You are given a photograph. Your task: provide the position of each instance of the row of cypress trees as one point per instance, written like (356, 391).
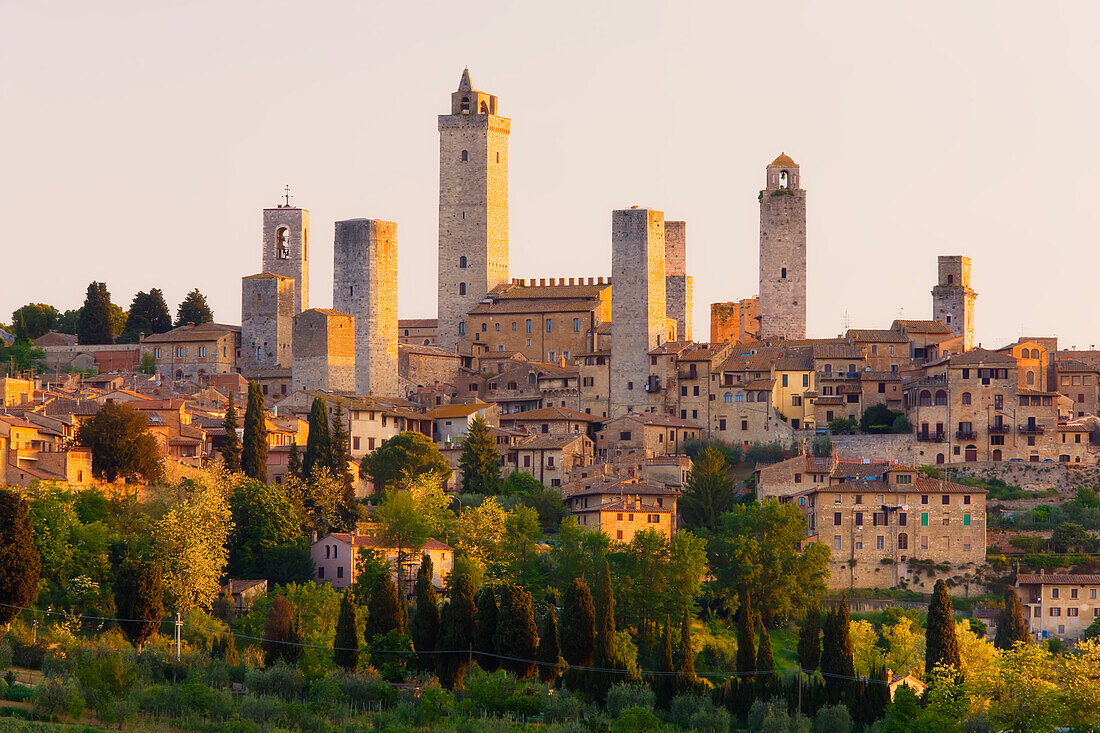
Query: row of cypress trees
(250, 455)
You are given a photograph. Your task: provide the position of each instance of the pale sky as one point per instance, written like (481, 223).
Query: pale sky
(139, 142)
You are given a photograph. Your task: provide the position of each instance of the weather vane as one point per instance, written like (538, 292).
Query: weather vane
(287, 195)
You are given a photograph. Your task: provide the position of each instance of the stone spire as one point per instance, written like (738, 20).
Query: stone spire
(464, 84)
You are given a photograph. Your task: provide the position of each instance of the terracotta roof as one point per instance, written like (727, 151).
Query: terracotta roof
(1074, 428)
(1076, 366)
(426, 349)
(536, 305)
(548, 441)
(362, 540)
(670, 347)
(877, 335)
(627, 487)
(858, 470)
(55, 338)
(837, 351)
(981, 356)
(783, 159)
(514, 291)
(201, 332)
(621, 505)
(265, 276)
(921, 326)
(1057, 579)
(417, 322)
(444, 411)
(17, 422)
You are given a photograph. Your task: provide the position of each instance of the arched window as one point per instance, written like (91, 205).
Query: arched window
(971, 453)
(749, 397)
(903, 541)
(783, 179)
(465, 156)
(941, 397)
(513, 325)
(484, 108)
(462, 288)
(997, 454)
(464, 107)
(531, 378)
(925, 398)
(462, 262)
(328, 551)
(282, 243)
(1030, 377)
(728, 397)
(740, 397)
(966, 398)
(950, 279)
(939, 458)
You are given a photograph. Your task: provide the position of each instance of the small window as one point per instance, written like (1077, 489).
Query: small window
(462, 288)
(465, 156)
(783, 273)
(461, 263)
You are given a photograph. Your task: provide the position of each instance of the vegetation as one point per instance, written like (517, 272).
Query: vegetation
(139, 599)
(231, 448)
(480, 461)
(193, 309)
(20, 562)
(709, 491)
(95, 324)
(254, 449)
(33, 320)
(405, 460)
(881, 419)
(148, 315)
(121, 444)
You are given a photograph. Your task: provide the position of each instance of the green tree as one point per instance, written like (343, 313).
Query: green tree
(148, 364)
(121, 444)
(254, 449)
(941, 641)
(685, 667)
(424, 627)
(517, 634)
(837, 655)
(485, 629)
(95, 325)
(578, 624)
(194, 310)
(456, 631)
(709, 491)
(404, 525)
(1011, 624)
(480, 461)
(22, 357)
(20, 564)
(549, 652)
(277, 632)
(191, 545)
(809, 640)
(69, 321)
(1071, 537)
(881, 419)
(148, 315)
(341, 459)
(746, 647)
(384, 611)
(139, 600)
(266, 540)
(231, 449)
(34, 320)
(755, 552)
(294, 463)
(604, 601)
(407, 459)
(319, 443)
(345, 645)
(765, 663)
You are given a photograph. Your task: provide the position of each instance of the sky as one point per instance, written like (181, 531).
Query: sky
(140, 141)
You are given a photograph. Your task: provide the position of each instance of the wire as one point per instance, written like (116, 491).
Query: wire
(463, 652)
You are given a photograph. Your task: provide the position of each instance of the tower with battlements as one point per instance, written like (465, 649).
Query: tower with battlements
(783, 252)
(473, 206)
(952, 298)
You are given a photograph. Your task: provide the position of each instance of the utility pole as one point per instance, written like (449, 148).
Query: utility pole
(179, 624)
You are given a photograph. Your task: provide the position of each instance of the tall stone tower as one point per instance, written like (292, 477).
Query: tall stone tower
(324, 351)
(364, 284)
(473, 206)
(267, 321)
(286, 249)
(952, 298)
(639, 315)
(783, 253)
(678, 284)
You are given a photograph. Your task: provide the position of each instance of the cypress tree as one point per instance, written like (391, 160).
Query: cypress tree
(941, 642)
(384, 613)
(457, 624)
(148, 315)
(578, 624)
(685, 668)
(665, 659)
(293, 462)
(277, 630)
(765, 664)
(292, 650)
(193, 309)
(345, 645)
(480, 461)
(231, 449)
(139, 599)
(809, 640)
(665, 685)
(424, 628)
(20, 563)
(837, 656)
(341, 458)
(319, 442)
(517, 635)
(605, 620)
(254, 450)
(1011, 624)
(746, 649)
(95, 324)
(485, 629)
(549, 652)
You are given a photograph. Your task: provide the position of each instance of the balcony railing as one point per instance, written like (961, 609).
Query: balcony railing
(1000, 429)
(687, 374)
(931, 437)
(965, 434)
(1032, 429)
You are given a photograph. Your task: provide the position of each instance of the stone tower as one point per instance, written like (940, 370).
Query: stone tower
(783, 253)
(364, 284)
(639, 316)
(267, 321)
(473, 206)
(952, 298)
(678, 284)
(286, 249)
(324, 351)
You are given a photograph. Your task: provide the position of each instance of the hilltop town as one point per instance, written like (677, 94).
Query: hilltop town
(913, 455)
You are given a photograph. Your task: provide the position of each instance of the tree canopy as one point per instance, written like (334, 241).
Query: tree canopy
(193, 309)
(20, 563)
(121, 444)
(254, 449)
(709, 491)
(95, 325)
(148, 315)
(34, 320)
(405, 460)
(480, 461)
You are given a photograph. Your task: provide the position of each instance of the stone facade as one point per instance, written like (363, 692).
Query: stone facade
(365, 285)
(783, 253)
(192, 352)
(267, 321)
(419, 331)
(473, 206)
(952, 298)
(286, 249)
(735, 321)
(639, 320)
(678, 284)
(324, 351)
(1061, 605)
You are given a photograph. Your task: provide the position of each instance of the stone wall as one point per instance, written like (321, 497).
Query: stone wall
(678, 284)
(902, 447)
(952, 298)
(267, 321)
(783, 258)
(734, 321)
(294, 224)
(324, 351)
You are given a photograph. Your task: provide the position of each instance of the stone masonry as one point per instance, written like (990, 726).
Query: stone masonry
(678, 284)
(639, 320)
(267, 321)
(783, 253)
(286, 249)
(735, 321)
(364, 284)
(324, 351)
(473, 206)
(952, 298)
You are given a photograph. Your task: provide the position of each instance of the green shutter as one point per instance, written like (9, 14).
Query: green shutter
(966, 520)
(924, 520)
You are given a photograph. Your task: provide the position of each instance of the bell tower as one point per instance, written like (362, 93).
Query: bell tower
(782, 252)
(286, 248)
(473, 206)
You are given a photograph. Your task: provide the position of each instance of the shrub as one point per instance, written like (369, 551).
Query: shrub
(834, 719)
(637, 719)
(696, 712)
(55, 697)
(260, 708)
(625, 695)
(18, 693)
(278, 680)
(563, 707)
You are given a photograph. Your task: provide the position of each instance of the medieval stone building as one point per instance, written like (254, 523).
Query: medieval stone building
(783, 252)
